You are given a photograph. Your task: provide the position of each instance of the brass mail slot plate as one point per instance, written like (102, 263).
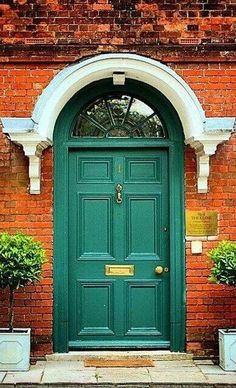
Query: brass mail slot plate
(119, 270)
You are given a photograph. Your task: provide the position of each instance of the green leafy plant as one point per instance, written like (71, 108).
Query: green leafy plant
(21, 260)
(224, 258)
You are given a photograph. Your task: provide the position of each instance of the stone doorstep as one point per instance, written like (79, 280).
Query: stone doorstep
(155, 355)
(212, 384)
(164, 374)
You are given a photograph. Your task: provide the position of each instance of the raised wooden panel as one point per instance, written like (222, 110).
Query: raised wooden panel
(143, 170)
(144, 312)
(95, 226)
(94, 169)
(143, 226)
(95, 306)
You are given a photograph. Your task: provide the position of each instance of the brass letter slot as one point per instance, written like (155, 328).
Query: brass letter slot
(119, 270)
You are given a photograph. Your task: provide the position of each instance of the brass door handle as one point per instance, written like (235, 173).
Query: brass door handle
(119, 189)
(159, 270)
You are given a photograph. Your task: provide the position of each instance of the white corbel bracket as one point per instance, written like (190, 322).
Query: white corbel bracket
(33, 146)
(205, 146)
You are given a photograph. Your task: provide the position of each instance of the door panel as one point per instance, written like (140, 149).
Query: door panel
(143, 170)
(95, 226)
(94, 170)
(95, 304)
(118, 310)
(145, 293)
(142, 215)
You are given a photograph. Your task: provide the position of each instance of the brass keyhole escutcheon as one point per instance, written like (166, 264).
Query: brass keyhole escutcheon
(119, 189)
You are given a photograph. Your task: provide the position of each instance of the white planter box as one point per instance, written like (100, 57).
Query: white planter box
(227, 349)
(14, 350)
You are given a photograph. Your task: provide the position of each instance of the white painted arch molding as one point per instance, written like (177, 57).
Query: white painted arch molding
(76, 76)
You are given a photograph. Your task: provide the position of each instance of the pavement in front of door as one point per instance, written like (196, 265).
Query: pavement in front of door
(69, 371)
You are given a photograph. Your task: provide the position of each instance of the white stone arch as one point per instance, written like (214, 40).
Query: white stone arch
(36, 133)
(76, 76)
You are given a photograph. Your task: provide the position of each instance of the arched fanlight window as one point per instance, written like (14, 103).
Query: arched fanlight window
(118, 115)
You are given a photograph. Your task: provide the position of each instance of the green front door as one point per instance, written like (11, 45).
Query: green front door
(118, 235)
(106, 290)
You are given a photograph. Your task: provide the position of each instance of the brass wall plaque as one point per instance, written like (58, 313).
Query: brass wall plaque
(119, 270)
(201, 223)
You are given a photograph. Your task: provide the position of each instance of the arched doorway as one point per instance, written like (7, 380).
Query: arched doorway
(119, 257)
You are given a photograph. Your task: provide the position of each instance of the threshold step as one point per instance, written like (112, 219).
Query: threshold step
(158, 355)
(122, 385)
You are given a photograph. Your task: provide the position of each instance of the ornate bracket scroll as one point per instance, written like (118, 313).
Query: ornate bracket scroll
(21, 131)
(33, 146)
(205, 146)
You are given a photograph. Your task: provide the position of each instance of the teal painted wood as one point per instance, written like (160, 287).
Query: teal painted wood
(103, 232)
(174, 147)
(60, 254)
(177, 251)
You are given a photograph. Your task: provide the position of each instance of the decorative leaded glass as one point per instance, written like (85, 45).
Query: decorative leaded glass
(118, 116)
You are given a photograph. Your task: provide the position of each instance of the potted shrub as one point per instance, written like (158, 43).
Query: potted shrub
(21, 260)
(224, 272)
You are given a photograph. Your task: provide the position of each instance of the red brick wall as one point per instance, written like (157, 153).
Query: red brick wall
(41, 37)
(214, 84)
(31, 214)
(20, 85)
(107, 22)
(210, 306)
